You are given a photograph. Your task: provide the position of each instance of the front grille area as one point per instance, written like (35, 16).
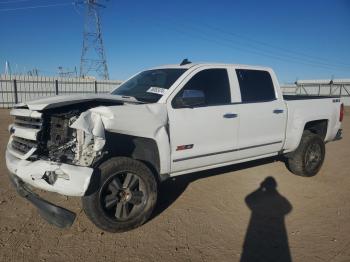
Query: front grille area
(27, 126)
(23, 145)
(28, 122)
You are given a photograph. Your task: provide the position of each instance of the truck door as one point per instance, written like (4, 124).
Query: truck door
(262, 114)
(206, 133)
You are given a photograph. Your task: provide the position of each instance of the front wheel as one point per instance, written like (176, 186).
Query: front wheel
(125, 198)
(308, 158)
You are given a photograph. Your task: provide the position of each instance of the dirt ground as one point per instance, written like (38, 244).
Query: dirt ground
(219, 215)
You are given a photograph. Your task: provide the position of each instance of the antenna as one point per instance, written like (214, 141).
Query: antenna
(93, 58)
(185, 62)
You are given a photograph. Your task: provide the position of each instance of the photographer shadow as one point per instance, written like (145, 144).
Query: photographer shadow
(266, 237)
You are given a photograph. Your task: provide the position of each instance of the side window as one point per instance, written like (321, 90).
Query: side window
(214, 83)
(255, 86)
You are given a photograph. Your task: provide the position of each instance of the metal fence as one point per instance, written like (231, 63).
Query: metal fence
(16, 89)
(335, 87)
(319, 88)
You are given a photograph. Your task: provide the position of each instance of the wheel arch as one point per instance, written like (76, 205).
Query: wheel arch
(299, 126)
(139, 148)
(318, 127)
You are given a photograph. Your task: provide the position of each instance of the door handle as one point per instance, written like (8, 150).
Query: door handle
(278, 111)
(230, 115)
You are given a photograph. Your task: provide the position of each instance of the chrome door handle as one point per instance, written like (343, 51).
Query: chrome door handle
(278, 111)
(230, 115)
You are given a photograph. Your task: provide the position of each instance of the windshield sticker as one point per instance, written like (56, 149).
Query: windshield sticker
(157, 90)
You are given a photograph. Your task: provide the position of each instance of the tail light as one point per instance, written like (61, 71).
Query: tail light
(341, 115)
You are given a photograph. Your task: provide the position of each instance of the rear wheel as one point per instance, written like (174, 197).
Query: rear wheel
(308, 158)
(125, 198)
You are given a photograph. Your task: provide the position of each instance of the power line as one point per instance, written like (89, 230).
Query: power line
(300, 54)
(34, 7)
(229, 44)
(286, 53)
(14, 1)
(245, 47)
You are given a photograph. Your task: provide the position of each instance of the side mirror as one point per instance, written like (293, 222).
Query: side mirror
(190, 98)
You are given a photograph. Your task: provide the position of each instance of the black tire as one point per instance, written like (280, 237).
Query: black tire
(115, 207)
(308, 158)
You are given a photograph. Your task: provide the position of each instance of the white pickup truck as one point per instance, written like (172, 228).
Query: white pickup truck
(115, 150)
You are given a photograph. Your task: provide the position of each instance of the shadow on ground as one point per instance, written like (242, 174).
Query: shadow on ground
(266, 237)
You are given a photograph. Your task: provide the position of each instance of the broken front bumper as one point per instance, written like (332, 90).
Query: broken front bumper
(69, 180)
(55, 215)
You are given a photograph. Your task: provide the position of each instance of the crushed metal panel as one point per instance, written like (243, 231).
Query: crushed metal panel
(142, 120)
(74, 183)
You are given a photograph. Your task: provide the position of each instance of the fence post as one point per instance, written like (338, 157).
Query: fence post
(56, 87)
(341, 88)
(15, 90)
(95, 87)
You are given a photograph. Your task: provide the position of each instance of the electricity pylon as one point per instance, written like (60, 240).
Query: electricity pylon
(93, 57)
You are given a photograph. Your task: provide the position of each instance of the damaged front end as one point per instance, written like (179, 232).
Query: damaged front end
(56, 149)
(66, 141)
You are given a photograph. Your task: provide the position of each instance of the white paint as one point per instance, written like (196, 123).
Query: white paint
(302, 111)
(25, 113)
(258, 124)
(24, 132)
(204, 127)
(32, 173)
(255, 128)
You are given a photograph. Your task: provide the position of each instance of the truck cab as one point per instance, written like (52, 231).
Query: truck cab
(235, 120)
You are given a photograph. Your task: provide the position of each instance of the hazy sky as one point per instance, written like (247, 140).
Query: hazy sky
(298, 39)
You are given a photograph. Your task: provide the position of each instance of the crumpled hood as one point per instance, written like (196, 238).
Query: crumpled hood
(144, 120)
(64, 100)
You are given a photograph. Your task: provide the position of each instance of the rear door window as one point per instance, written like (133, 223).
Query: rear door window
(255, 86)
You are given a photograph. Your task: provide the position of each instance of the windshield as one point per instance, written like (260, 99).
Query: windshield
(149, 86)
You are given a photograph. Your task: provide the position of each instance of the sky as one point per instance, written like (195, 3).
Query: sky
(298, 39)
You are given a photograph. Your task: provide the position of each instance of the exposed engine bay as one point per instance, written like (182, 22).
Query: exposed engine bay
(58, 140)
(62, 140)
(56, 143)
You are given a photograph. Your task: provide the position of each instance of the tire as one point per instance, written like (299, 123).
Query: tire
(308, 158)
(125, 197)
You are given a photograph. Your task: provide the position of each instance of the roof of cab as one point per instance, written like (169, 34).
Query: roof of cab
(190, 65)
